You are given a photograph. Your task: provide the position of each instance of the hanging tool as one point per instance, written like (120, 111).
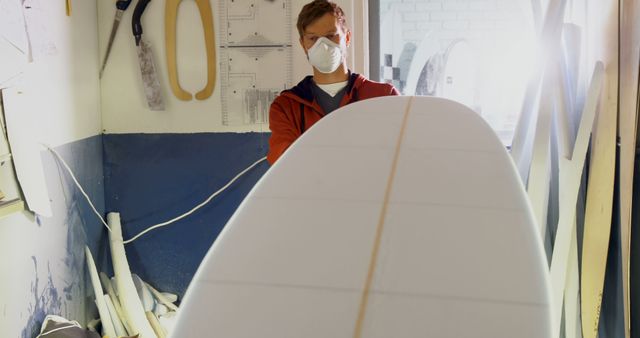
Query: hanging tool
(145, 58)
(68, 7)
(206, 16)
(121, 6)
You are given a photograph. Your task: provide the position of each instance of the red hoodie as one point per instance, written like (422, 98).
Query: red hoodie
(295, 110)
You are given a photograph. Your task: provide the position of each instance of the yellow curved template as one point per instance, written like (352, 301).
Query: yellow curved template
(209, 39)
(171, 15)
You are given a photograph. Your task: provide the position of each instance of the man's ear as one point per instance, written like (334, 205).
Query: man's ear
(347, 38)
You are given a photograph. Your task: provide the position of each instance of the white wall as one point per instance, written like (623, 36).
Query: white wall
(41, 269)
(60, 87)
(123, 105)
(43, 263)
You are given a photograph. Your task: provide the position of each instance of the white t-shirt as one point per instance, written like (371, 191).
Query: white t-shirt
(332, 88)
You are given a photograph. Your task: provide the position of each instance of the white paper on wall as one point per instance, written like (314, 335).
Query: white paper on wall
(9, 187)
(255, 47)
(12, 65)
(14, 44)
(36, 16)
(12, 24)
(25, 148)
(4, 143)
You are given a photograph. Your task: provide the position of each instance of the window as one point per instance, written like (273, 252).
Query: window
(477, 52)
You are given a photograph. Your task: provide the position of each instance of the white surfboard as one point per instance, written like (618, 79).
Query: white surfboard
(459, 73)
(627, 130)
(391, 217)
(427, 48)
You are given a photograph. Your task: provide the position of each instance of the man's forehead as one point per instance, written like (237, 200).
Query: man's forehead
(326, 24)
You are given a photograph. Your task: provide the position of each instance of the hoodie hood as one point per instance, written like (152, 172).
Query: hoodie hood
(303, 93)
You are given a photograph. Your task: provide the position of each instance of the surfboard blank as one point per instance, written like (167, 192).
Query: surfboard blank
(460, 255)
(627, 125)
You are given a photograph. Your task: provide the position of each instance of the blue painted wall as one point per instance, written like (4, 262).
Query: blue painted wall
(45, 255)
(151, 178)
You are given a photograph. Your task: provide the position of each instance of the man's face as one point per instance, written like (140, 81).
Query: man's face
(326, 26)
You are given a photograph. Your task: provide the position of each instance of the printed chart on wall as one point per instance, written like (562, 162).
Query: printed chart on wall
(255, 58)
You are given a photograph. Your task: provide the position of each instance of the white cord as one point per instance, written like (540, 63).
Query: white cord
(197, 206)
(78, 185)
(57, 329)
(153, 227)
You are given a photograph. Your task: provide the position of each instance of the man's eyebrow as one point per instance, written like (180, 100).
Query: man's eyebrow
(318, 34)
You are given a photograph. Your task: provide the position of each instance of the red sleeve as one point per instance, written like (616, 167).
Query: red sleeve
(394, 91)
(283, 130)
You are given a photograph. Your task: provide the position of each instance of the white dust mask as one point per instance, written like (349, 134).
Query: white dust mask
(326, 55)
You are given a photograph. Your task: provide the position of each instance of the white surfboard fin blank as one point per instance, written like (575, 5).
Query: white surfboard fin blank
(570, 177)
(115, 319)
(531, 153)
(106, 282)
(107, 324)
(597, 219)
(128, 296)
(522, 144)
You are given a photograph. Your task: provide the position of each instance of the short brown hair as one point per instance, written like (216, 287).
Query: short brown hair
(317, 9)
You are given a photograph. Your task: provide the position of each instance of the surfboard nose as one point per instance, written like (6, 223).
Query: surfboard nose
(391, 217)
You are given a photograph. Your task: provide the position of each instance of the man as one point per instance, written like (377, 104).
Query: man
(325, 38)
